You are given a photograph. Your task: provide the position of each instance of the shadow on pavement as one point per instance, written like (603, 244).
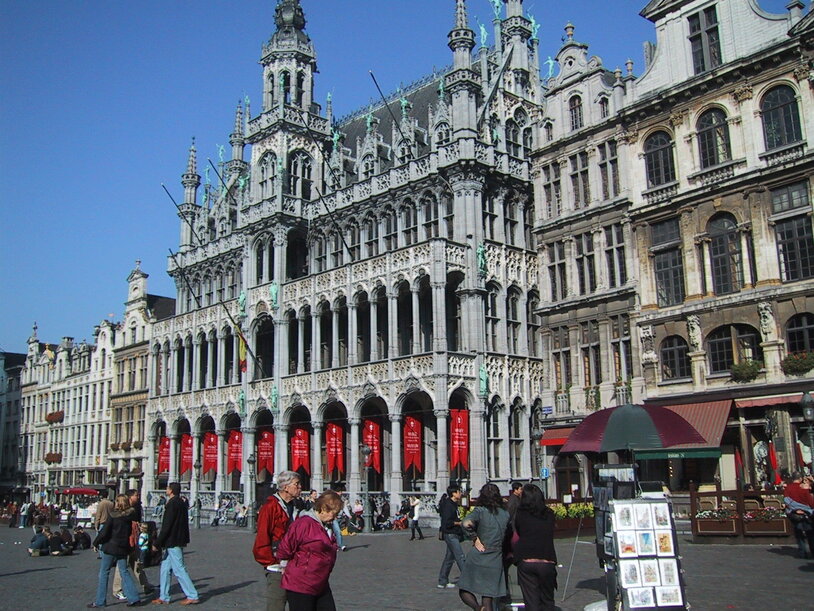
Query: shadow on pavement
(230, 588)
(785, 550)
(29, 571)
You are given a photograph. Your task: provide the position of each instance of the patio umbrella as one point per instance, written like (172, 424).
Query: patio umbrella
(81, 491)
(631, 427)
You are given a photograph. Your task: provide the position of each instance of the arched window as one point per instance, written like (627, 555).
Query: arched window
(675, 358)
(658, 159)
(300, 88)
(271, 86)
(800, 333)
(533, 324)
(713, 138)
(299, 175)
(549, 131)
(337, 258)
(390, 230)
(604, 107)
(405, 152)
(268, 165)
(372, 236)
(492, 318)
(442, 134)
(575, 112)
(259, 258)
(513, 320)
(512, 138)
(732, 344)
(725, 255)
(320, 256)
(781, 117)
(431, 216)
(353, 241)
(285, 85)
(368, 166)
(410, 224)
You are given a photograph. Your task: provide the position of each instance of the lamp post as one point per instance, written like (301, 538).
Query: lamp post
(366, 515)
(807, 403)
(536, 438)
(197, 502)
(251, 461)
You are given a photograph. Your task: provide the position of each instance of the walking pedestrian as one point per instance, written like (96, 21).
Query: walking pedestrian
(174, 536)
(310, 550)
(133, 559)
(272, 523)
(415, 514)
(800, 511)
(534, 550)
(452, 534)
(113, 543)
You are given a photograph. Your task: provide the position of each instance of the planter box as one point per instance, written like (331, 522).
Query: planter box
(780, 527)
(709, 526)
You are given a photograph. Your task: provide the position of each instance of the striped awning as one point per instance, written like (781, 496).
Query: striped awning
(708, 418)
(556, 437)
(766, 401)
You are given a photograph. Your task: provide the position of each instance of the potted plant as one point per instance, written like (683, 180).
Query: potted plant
(719, 521)
(745, 371)
(798, 363)
(138, 444)
(765, 521)
(126, 445)
(114, 446)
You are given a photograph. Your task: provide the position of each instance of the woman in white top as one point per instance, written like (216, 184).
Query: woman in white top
(415, 513)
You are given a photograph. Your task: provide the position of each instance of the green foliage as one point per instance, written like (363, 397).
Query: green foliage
(745, 371)
(798, 364)
(717, 514)
(580, 510)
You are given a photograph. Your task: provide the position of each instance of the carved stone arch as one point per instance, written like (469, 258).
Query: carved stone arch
(695, 113)
(261, 308)
(517, 403)
(761, 91)
(179, 418)
(258, 322)
(304, 310)
(285, 417)
(462, 388)
(251, 420)
(653, 129)
(337, 301)
(706, 216)
(157, 426)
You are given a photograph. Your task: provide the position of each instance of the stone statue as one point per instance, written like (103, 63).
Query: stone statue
(484, 35)
(329, 97)
(241, 401)
(550, 63)
(648, 345)
(495, 136)
(275, 397)
(242, 181)
(483, 377)
(767, 324)
(241, 303)
(246, 100)
(441, 87)
(220, 152)
(404, 104)
(206, 175)
(369, 121)
(273, 290)
(481, 254)
(496, 6)
(535, 27)
(694, 331)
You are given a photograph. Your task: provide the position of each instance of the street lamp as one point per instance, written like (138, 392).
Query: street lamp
(807, 403)
(366, 515)
(197, 503)
(251, 461)
(536, 438)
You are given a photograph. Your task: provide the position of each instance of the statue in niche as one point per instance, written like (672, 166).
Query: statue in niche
(221, 148)
(241, 401)
(648, 345)
(694, 331)
(767, 324)
(483, 378)
(481, 255)
(275, 397)
(495, 136)
(550, 63)
(241, 303)
(496, 6)
(274, 289)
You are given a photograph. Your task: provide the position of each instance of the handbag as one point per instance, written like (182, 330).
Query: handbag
(440, 535)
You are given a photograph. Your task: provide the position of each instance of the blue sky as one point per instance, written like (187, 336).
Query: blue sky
(99, 100)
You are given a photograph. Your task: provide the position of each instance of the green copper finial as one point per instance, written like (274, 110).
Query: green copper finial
(404, 104)
(369, 121)
(535, 27)
(335, 139)
(441, 87)
(220, 152)
(329, 97)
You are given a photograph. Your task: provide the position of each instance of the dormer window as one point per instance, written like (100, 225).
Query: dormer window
(368, 167)
(604, 108)
(575, 112)
(704, 40)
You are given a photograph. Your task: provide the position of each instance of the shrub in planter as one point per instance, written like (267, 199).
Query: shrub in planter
(580, 510)
(114, 446)
(126, 445)
(717, 514)
(560, 512)
(797, 364)
(745, 371)
(138, 444)
(764, 513)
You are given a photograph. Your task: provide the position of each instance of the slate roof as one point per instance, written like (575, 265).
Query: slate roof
(161, 307)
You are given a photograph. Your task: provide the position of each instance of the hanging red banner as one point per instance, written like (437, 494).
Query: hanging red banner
(241, 352)
(210, 452)
(335, 447)
(234, 452)
(459, 438)
(371, 435)
(299, 451)
(186, 452)
(265, 451)
(412, 443)
(164, 455)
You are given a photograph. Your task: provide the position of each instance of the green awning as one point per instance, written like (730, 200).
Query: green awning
(680, 453)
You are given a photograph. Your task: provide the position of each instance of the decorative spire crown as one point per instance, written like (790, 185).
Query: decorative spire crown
(192, 161)
(289, 14)
(238, 131)
(460, 15)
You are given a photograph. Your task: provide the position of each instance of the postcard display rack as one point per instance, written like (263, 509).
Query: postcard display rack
(640, 553)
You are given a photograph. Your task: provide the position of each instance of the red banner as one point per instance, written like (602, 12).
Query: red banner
(371, 435)
(234, 452)
(335, 447)
(186, 452)
(299, 451)
(241, 352)
(164, 455)
(265, 451)
(412, 443)
(459, 438)
(210, 452)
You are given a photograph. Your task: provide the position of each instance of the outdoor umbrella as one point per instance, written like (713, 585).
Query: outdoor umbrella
(80, 491)
(631, 427)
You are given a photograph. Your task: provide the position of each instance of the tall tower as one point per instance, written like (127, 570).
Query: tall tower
(188, 210)
(462, 82)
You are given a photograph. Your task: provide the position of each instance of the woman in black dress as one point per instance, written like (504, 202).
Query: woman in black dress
(534, 550)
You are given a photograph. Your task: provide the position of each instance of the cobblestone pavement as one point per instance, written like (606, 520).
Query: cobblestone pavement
(387, 571)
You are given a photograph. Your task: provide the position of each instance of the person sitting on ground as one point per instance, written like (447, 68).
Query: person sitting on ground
(81, 539)
(66, 537)
(39, 543)
(55, 544)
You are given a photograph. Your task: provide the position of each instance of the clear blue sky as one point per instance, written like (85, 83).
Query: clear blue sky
(99, 100)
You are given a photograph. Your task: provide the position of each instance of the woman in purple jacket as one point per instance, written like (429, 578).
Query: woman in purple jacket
(309, 548)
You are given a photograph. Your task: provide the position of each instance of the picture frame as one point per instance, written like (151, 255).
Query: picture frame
(640, 598)
(649, 572)
(609, 547)
(661, 515)
(623, 516)
(626, 544)
(645, 543)
(668, 572)
(643, 517)
(665, 546)
(629, 574)
(669, 596)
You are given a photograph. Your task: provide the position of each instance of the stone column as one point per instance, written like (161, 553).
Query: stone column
(173, 377)
(249, 447)
(374, 330)
(194, 482)
(301, 322)
(746, 256)
(395, 457)
(194, 382)
(352, 333)
(439, 317)
(354, 480)
(211, 366)
(149, 463)
(174, 446)
(704, 244)
(220, 480)
(317, 477)
(316, 345)
(392, 315)
(442, 455)
(281, 462)
(220, 374)
(416, 339)
(334, 337)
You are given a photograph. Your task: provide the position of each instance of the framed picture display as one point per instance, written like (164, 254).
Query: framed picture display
(629, 572)
(609, 550)
(661, 515)
(669, 596)
(664, 543)
(643, 517)
(645, 543)
(623, 516)
(649, 571)
(639, 598)
(668, 571)
(626, 543)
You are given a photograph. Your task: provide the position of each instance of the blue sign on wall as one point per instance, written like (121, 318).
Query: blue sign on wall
(548, 410)
(545, 473)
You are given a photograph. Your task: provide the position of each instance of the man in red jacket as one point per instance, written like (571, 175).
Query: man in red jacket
(272, 522)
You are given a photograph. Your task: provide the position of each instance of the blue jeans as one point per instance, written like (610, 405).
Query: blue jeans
(454, 554)
(173, 563)
(337, 533)
(128, 583)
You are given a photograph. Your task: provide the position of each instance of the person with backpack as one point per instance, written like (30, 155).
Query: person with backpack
(415, 514)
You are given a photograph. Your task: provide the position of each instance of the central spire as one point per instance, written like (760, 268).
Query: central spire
(461, 22)
(289, 14)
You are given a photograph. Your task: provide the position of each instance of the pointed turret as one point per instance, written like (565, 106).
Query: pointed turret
(190, 179)
(461, 38)
(238, 141)
(462, 82)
